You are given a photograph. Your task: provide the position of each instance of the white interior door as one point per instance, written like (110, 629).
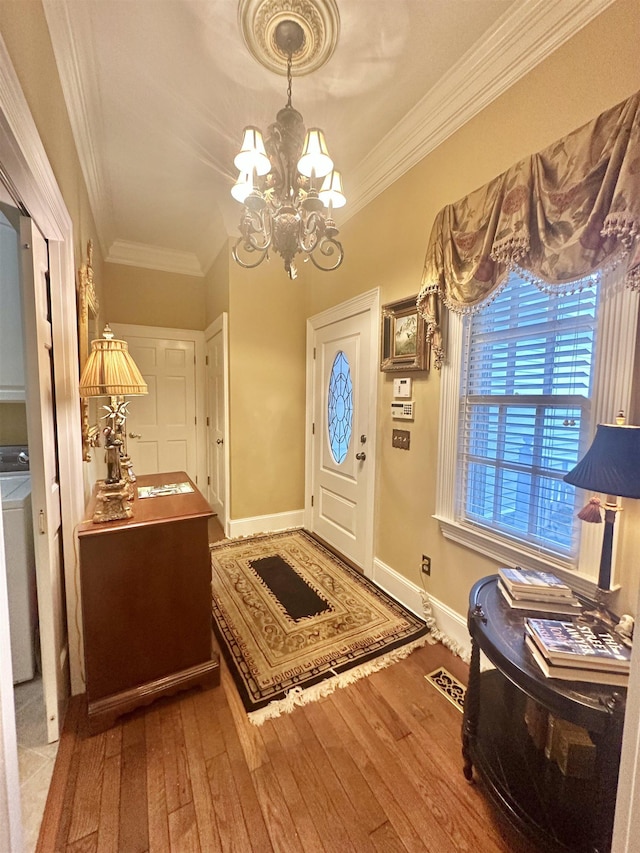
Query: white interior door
(45, 489)
(217, 417)
(344, 369)
(161, 426)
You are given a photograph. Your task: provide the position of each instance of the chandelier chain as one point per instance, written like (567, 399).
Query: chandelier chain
(289, 80)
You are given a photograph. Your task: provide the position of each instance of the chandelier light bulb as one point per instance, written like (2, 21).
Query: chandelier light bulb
(331, 194)
(242, 187)
(252, 155)
(315, 160)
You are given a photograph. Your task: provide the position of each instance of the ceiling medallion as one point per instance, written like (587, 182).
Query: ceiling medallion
(320, 23)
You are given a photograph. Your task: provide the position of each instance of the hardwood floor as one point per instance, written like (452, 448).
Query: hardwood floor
(374, 767)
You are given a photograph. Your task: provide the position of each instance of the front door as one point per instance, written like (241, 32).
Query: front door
(344, 356)
(43, 463)
(161, 426)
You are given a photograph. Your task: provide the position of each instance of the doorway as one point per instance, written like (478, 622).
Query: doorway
(166, 427)
(342, 373)
(217, 370)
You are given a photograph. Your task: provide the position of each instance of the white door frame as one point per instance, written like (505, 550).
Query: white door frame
(129, 330)
(221, 324)
(369, 301)
(35, 189)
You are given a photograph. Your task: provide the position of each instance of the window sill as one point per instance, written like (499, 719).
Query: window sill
(509, 554)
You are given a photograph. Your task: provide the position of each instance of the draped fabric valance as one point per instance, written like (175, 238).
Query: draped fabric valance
(556, 216)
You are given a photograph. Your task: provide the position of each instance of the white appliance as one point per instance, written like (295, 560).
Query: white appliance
(15, 489)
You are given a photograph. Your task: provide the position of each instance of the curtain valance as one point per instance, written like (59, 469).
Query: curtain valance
(557, 217)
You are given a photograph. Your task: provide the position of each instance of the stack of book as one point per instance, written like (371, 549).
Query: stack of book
(525, 589)
(571, 651)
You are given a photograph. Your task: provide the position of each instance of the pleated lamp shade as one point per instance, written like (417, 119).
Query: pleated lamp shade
(110, 371)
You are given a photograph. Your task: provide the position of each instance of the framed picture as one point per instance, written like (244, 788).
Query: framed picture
(404, 345)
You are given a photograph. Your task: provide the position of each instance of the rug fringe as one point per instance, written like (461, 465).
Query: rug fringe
(439, 636)
(299, 696)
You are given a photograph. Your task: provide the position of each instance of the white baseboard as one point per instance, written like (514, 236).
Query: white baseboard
(264, 523)
(451, 624)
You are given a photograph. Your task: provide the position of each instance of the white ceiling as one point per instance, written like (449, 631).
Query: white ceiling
(159, 91)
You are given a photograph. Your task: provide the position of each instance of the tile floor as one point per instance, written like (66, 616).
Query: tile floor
(36, 757)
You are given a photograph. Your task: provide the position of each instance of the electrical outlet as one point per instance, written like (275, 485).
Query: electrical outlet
(426, 564)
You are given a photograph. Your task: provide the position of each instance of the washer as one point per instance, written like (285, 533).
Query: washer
(15, 489)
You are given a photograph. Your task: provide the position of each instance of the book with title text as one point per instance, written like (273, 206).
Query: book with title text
(567, 643)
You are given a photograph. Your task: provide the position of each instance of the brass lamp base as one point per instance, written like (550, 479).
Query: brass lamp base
(127, 468)
(600, 612)
(112, 502)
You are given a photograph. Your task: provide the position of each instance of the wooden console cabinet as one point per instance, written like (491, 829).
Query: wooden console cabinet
(146, 602)
(558, 812)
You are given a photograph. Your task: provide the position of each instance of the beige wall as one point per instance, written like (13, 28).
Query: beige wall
(153, 298)
(24, 30)
(216, 284)
(13, 423)
(267, 386)
(385, 244)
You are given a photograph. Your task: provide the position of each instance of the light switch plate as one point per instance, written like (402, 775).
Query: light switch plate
(401, 438)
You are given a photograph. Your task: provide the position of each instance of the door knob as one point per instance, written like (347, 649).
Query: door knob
(134, 435)
(219, 440)
(363, 439)
(361, 456)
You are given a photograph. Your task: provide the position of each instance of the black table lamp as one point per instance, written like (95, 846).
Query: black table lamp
(611, 466)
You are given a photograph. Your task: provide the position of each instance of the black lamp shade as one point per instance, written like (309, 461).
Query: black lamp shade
(612, 463)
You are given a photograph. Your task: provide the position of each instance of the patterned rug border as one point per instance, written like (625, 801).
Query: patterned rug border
(299, 696)
(319, 685)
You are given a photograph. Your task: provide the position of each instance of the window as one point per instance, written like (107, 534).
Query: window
(524, 384)
(340, 407)
(527, 378)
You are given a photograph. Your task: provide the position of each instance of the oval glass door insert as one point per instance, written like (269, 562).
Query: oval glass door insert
(340, 407)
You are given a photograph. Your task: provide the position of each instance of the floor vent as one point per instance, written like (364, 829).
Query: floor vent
(449, 686)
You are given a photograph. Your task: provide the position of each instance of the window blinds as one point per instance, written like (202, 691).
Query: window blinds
(526, 388)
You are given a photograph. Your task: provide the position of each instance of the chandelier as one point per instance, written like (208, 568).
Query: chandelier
(287, 185)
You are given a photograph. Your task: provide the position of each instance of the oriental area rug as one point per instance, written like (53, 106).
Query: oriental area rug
(294, 622)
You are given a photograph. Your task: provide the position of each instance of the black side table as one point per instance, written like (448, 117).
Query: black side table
(559, 813)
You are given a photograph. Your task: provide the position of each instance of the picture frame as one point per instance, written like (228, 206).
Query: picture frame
(403, 337)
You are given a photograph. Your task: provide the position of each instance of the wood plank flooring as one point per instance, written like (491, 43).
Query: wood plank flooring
(374, 767)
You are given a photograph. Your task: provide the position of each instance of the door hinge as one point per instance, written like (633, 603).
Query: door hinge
(208, 481)
(314, 353)
(313, 429)
(207, 420)
(195, 420)
(206, 359)
(311, 500)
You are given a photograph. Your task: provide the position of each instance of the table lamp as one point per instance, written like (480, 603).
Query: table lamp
(110, 371)
(611, 466)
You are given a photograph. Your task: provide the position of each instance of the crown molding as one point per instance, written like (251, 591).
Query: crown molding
(153, 258)
(73, 49)
(525, 35)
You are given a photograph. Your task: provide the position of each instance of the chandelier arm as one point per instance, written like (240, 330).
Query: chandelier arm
(311, 232)
(327, 247)
(249, 249)
(252, 226)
